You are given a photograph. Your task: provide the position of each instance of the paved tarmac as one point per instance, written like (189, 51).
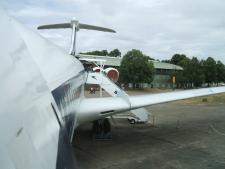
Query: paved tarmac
(184, 136)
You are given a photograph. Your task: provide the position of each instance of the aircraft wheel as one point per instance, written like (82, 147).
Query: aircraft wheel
(132, 121)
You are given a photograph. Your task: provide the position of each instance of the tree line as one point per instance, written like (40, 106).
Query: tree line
(113, 53)
(135, 68)
(197, 72)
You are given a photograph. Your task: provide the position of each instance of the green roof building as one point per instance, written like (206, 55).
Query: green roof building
(161, 74)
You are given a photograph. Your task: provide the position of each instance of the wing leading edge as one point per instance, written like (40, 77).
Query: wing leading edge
(145, 100)
(95, 108)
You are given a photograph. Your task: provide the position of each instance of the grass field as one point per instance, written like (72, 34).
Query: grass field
(214, 99)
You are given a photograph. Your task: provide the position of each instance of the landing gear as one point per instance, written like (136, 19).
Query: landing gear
(102, 129)
(131, 121)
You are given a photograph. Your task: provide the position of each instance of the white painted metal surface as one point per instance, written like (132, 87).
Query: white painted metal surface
(115, 91)
(141, 114)
(117, 104)
(101, 79)
(30, 67)
(55, 64)
(41, 101)
(76, 26)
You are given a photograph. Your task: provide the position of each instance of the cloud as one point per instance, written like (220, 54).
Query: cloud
(158, 27)
(39, 12)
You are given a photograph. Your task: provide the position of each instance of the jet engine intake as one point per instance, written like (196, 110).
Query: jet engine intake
(112, 74)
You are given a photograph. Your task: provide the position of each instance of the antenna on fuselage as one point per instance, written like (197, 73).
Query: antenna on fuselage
(75, 26)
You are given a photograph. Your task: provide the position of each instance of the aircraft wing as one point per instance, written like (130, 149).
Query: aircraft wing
(145, 100)
(95, 108)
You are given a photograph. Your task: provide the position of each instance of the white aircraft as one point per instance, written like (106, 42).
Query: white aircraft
(42, 100)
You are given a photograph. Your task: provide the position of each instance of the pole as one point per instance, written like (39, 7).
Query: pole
(73, 40)
(101, 69)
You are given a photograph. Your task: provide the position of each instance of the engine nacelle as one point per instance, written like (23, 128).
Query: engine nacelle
(112, 74)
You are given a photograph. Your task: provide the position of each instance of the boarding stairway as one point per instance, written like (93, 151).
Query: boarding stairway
(101, 79)
(112, 89)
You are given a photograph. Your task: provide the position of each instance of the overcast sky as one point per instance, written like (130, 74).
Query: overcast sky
(160, 28)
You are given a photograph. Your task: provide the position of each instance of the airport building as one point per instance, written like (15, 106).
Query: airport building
(162, 78)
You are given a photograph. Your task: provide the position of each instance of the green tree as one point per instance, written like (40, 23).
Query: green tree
(115, 53)
(184, 77)
(135, 68)
(177, 58)
(196, 72)
(105, 52)
(209, 67)
(220, 72)
(166, 61)
(97, 53)
(192, 74)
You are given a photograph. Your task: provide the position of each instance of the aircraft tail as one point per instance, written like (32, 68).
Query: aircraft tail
(75, 26)
(78, 25)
